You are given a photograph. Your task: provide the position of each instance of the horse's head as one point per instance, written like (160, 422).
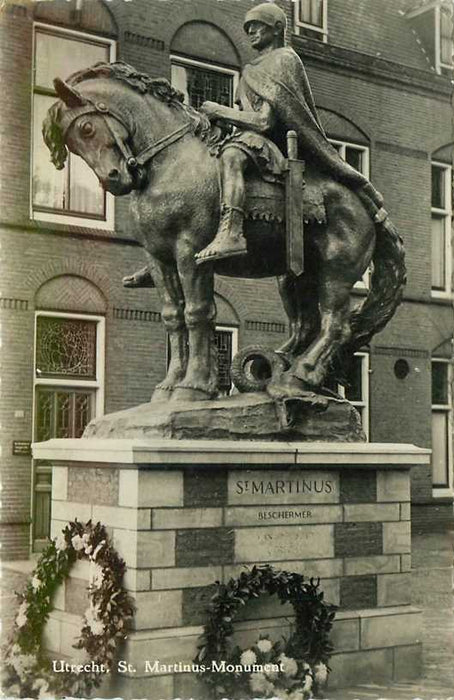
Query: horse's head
(89, 126)
(118, 119)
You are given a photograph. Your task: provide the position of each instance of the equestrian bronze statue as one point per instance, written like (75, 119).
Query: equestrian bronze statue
(209, 196)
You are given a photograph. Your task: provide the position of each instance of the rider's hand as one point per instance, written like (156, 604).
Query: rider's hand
(211, 109)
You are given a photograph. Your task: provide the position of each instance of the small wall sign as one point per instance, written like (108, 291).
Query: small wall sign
(22, 448)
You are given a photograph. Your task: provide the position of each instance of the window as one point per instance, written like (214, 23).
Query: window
(71, 195)
(200, 81)
(357, 389)
(441, 229)
(226, 342)
(358, 157)
(69, 392)
(311, 19)
(441, 424)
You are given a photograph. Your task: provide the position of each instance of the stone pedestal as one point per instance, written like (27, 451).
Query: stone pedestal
(185, 514)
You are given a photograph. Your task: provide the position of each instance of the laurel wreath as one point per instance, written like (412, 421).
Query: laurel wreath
(309, 644)
(27, 670)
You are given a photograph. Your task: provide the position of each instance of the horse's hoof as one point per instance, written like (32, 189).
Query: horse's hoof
(186, 394)
(284, 385)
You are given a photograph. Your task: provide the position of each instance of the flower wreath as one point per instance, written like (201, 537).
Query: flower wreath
(27, 670)
(294, 668)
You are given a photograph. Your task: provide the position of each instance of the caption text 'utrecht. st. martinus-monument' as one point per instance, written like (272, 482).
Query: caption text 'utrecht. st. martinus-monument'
(222, 190)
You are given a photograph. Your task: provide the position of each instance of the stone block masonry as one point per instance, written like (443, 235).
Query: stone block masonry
(185, 515)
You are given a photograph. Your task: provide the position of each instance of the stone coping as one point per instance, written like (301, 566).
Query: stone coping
(155, 453)
(240, 625)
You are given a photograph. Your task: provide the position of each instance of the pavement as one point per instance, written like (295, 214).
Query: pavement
(437, 673)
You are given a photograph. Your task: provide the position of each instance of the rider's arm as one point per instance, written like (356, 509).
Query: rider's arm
(261, 121)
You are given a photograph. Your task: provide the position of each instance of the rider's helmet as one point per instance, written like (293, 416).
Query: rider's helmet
(266, 12)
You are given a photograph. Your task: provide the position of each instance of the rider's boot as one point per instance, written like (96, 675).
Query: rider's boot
(141, 278)
(229, 240)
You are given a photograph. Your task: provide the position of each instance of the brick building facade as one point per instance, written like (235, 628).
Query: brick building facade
(380, 73)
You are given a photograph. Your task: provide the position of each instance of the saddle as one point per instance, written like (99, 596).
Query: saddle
(296, 200)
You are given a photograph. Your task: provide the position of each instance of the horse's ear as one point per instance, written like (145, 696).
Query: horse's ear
(68, 94)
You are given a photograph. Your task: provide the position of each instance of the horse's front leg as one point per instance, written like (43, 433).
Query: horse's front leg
(200, 382)
(172, 312)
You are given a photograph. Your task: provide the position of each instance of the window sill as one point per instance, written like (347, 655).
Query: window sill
(441, 297)
(52, 218)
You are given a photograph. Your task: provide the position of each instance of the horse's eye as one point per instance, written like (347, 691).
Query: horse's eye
(87, 129)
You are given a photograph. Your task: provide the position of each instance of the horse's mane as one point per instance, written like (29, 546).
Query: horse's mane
(140, 82)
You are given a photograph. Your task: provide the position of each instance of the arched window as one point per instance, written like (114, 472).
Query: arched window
(211, 72)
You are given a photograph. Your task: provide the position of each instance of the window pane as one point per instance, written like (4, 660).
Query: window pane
(65, 348)
(440, 448)
(86, 194)
(354, 157)
(49, 184)
(61, 56)
(439, 383)
(200, 84)
(438, 188)
(446, 42)
(354, 389)
(311, 12)
(438, 252)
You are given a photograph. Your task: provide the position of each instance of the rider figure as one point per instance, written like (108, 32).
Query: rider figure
(274, 96)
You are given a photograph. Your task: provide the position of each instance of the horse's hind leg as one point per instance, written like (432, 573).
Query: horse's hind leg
(309, 369)
(313, 365)
(172, 312)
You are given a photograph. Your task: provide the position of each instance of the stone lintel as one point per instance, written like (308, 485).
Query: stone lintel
(138, 453)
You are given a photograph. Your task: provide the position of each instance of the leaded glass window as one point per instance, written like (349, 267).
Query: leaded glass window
(223, 342)
(201, 82)
(62, 413)
(65, 347)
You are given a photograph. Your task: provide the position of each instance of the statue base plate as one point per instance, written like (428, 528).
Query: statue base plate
(239, 417)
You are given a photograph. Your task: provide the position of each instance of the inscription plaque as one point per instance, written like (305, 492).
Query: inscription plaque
(283, 487)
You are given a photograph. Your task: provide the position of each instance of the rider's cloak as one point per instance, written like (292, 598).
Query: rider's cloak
(280, 79)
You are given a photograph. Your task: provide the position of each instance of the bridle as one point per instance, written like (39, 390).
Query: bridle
(111, 119)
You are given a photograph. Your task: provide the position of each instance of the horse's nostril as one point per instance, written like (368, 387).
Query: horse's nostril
(114, 174)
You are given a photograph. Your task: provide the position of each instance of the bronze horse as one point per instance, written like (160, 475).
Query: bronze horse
(138, 136)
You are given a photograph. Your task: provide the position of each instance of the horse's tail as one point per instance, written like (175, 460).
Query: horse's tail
(388, 280)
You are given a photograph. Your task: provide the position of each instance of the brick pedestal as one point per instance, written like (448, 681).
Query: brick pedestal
(185, 514)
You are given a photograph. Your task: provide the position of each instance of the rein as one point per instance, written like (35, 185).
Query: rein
(133, 162)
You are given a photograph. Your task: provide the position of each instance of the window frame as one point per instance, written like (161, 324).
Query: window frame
(234, 331)
(97, 385)
(58, 216)
(299, 24)
(439, 65)
(364, 282)
(446, 213)
(214, 67)
(364, 402)
(447, 408)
